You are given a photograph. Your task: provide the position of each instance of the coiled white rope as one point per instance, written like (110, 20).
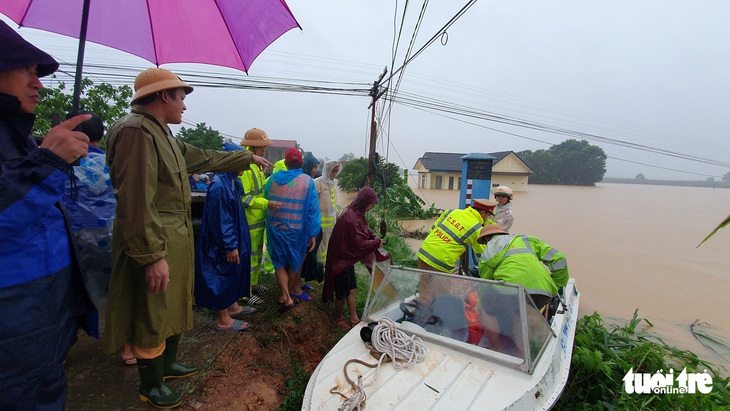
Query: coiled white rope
(387, 339)
(402, 349)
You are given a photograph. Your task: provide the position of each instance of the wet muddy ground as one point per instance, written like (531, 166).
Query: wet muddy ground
(238, 370)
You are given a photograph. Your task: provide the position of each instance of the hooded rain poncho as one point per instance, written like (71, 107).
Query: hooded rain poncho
(351, 241)
(288, 229)
(224, 228)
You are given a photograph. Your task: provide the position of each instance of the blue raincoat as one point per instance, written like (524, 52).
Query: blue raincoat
(288, 229)
(91, 214)
(43, 299)
(218, 284)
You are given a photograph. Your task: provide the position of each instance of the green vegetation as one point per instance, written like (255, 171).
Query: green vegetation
(571, 162)
(201, 136)
(352, 177)
(602, 356)
(295, 386)
(107, 101)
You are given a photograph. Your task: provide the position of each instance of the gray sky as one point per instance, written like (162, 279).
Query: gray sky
(650, 73)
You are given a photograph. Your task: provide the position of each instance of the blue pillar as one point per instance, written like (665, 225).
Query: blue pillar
(476, 182)
(476, 178)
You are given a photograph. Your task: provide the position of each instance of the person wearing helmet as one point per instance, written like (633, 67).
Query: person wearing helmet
(256, 140)
(524, 264)
(451, 233)
(517, 259)
(150, 293)
(503, 214)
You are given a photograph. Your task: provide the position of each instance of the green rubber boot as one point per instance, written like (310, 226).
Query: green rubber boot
(174, 369)
(151, 387)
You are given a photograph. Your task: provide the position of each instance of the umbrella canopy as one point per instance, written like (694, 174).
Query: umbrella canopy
(228, 33)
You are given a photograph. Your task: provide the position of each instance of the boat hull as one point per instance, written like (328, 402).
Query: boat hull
(454, 376)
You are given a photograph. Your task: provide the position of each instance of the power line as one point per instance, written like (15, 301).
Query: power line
(124, 75)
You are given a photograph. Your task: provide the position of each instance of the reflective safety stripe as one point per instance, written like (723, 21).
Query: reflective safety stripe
(558, 265)
(257, 190)
(435, 260)
(327, 222)
(550, 254)
(527, 250)
(539, 292)
(459, 239)
(260, 224)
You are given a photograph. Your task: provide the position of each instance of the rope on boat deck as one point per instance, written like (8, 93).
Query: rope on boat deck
(393, 345)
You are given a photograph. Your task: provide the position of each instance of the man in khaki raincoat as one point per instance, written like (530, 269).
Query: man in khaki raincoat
(151, 290)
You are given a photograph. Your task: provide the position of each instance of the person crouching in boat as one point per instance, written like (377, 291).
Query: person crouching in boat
(451, 233)
(447, 240)
(517, 259)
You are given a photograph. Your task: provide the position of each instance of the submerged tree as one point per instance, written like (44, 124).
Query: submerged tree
(571, 162)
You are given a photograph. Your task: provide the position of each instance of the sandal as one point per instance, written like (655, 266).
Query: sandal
(307, 287)
(343, 324)
(303, 296)
(260, 290)
(238, 325)
(245, 310)
(254, 300)
(284, 308)
(129, 360)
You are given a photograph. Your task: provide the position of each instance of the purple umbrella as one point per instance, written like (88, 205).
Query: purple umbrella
(228, 33)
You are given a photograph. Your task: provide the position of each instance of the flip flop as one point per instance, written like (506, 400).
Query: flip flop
(303, 296)
(238, 325)
(343, 324)
(262, 289)
(254, 300)
(307, 287)
(285, 308)
(246, 310)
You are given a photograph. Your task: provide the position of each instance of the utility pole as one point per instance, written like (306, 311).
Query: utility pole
(375, 93)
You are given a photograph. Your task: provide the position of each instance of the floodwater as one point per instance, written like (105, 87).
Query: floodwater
(634, 247)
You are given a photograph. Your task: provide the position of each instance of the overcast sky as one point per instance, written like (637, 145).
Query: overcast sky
(649, 73)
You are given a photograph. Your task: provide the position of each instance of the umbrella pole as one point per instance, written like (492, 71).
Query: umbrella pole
(80, 58)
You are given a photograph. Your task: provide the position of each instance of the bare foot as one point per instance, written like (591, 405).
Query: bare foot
(225, 324)
(234, 309)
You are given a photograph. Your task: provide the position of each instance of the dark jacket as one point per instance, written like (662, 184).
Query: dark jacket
(42, 297)
(351, 241)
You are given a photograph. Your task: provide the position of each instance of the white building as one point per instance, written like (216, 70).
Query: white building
(442, 171)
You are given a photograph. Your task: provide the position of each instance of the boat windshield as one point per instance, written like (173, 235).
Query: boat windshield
(495, 316)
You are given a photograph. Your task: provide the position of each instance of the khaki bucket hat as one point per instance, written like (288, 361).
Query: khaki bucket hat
(255, 137)
(153, 80)
(488, 230)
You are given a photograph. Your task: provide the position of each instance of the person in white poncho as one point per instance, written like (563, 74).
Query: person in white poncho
(328, 208)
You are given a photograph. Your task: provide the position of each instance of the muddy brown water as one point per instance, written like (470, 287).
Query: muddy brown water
(633, 246)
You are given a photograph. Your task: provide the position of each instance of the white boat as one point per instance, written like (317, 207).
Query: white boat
(522, 367)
